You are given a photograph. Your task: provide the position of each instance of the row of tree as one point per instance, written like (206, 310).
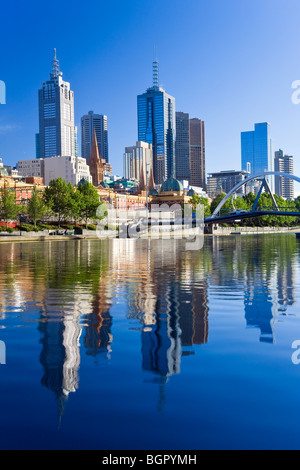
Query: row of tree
(246, 203)
(60, 200)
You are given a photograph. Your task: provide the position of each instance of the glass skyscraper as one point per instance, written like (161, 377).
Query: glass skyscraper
(157, 126)
(257, 150)
(89, 123)
(56, 116)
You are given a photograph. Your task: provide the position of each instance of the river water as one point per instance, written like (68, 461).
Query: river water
(138, 344)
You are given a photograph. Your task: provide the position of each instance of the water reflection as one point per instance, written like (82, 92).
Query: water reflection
(70, 289)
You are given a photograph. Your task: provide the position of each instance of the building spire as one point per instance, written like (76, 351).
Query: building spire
(55, 67)
(155, 69)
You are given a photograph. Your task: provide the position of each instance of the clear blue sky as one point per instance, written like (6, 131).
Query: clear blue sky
(228, 62)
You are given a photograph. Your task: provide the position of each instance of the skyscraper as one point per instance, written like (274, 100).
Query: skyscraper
(94, 122)
(257, 150)
(157, 126)
(56, 116)
(197, 153)
(284, 187)
(182, 147)
(138, 159)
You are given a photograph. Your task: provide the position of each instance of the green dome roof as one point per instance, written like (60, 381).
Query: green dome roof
(171, 184)
(153, 192)
(191, 192)
(82, 182)
(103, 184)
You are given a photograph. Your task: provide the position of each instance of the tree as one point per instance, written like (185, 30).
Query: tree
(8, 206)
(217, 201)
(58, 196)
(88, 202)
(36, 207)
(197, 200)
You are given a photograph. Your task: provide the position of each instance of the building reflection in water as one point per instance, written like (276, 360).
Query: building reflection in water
(166, 290)
(265, 267)
(67, 304)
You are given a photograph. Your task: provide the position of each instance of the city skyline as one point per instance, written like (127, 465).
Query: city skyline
(255, 93)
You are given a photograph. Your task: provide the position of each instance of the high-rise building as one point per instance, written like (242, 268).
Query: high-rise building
(197, 153)
(94, 122)
(256, 149)
(182, 147)
(284, 187)
(225, 181)
(138, 159)
(157, 126)
(56, 116)
(37, 146)
(190, 150)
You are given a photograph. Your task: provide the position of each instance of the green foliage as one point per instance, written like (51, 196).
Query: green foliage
(197, 200)
(88, 202)
(265, 201)
(58, 197)
(217, 201)
(25, 227)
(36, 207)
(8, 206)
(10, 230)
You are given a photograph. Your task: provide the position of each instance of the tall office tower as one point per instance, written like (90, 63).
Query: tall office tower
(138, 159)
(284, 187)
(56, 116)
(76, 141)
(197, 153)
(157, 126)
(182, 147)
(37, 146)
(89, 123)
(257, 151)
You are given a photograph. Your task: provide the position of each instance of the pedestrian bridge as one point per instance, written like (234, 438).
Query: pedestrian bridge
(221, 215)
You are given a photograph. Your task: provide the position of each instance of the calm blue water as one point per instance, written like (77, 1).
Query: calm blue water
(127, 344)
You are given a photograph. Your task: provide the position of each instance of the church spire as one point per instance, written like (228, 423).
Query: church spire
(151, 184)
(142, 185)
(95, 163)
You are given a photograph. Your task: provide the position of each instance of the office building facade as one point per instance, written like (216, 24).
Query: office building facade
(31, 167)
(56, 116)
(138, 159)
(256, 149)
(225, 181)
(197, 153)
(284, 187)
(182, 147)
(157, 126)
(94, 122)
(72, 169)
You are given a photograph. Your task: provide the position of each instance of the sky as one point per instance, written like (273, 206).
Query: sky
(230, 63)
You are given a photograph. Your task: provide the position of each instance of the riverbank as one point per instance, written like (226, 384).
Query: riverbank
(21, 237)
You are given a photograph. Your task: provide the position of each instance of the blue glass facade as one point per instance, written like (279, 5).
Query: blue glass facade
(257, 150)
(157, 126)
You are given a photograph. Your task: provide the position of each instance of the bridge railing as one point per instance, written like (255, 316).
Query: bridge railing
(280, 209)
